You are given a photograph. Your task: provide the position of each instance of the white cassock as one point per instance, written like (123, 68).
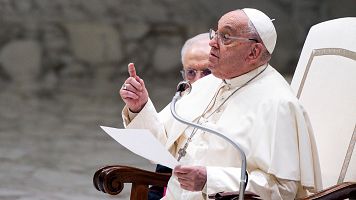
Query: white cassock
(264, 117)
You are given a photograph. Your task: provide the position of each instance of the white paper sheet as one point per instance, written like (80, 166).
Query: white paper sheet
(142, 143)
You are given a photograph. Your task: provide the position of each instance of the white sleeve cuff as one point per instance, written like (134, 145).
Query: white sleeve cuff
(132, 115)
(221, 179)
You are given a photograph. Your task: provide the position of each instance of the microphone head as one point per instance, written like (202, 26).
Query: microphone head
(184, 86)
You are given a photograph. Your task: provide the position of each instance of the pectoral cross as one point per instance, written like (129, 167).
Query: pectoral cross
(183, 151)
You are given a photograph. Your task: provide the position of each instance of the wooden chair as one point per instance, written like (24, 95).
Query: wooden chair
(325, 82)
(111, 179)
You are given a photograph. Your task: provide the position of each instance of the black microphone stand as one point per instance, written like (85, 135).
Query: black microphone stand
(182, 86)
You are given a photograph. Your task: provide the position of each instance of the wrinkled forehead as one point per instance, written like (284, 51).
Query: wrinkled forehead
(234, 20)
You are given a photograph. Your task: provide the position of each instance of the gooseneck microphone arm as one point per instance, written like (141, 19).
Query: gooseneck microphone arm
(182, 86)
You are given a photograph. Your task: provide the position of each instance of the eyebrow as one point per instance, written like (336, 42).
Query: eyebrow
(228, 27)
(231, 29)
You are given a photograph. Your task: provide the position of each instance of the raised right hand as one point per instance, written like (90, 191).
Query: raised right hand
(133, 92)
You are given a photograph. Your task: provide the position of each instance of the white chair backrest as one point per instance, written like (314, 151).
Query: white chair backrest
(325, 82)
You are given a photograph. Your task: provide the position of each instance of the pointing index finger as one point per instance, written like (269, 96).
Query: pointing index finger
(132, 70)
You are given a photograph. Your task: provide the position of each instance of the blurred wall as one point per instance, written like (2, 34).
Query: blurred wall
(62, 62)
(45, 43)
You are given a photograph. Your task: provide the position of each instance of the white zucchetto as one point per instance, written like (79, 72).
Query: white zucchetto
(264, 27)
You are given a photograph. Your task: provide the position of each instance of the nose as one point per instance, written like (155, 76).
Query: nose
(199, 75)
(214, 42)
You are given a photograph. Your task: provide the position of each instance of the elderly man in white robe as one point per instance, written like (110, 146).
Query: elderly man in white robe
(195, 60)
(244, 97)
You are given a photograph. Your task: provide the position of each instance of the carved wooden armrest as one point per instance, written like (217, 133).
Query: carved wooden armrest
(111, 179)
(340, 191)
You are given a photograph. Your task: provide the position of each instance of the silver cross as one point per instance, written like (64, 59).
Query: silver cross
(181, 153)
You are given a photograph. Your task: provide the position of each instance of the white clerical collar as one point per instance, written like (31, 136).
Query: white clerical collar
(242, 79)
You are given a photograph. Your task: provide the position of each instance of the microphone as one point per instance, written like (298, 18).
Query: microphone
(183, 86)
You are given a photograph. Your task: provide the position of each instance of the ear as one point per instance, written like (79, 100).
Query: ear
(255, 52)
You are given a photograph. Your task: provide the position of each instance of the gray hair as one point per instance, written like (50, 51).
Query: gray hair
(251, 30)
(190, 42)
